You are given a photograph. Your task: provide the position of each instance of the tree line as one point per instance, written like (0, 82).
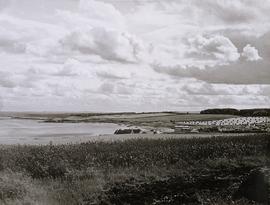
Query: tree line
(258, 112)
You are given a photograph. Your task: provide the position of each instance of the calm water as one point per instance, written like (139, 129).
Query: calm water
(21, 131)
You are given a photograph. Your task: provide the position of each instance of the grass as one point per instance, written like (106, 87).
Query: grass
(141, 171)
(141, 119)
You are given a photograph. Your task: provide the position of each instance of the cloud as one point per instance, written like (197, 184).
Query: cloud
(251, 53)
(6, 80)
(68, 69)
(122, 72)
(109, 76)
(207, 89)
(214, 48)
(10, 40)
(229, 11)
(202, 88)
(251, 68)
(91, 29)
(102, 12)
(123, 89)
(109, 44)
(106, 88)
(254, 72)
(1, 103)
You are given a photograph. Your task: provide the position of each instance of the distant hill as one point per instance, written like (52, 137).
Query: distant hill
(258, 112)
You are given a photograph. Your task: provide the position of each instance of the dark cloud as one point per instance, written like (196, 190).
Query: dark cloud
(237, 73)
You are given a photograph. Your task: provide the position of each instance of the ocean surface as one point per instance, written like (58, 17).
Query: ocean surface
(25, 131)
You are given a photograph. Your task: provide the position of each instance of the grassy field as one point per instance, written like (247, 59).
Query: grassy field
(142, 171)
(158, 119)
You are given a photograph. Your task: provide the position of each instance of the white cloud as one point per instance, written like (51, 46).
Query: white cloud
(106, 88)
(101, 12)
(216, 48)
(251, 53)
(109, 44)
(251, 68)
(68, 69)
(6, 80)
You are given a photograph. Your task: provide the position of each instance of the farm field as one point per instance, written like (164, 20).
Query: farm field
(137, 171)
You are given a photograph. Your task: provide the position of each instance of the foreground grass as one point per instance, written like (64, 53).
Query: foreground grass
(141, 171)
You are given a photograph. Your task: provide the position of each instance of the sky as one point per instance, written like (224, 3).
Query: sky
(134, 55)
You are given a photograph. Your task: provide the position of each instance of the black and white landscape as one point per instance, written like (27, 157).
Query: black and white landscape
(140, 102)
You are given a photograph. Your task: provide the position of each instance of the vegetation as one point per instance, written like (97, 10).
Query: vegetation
(142, 119)
(245, 112)
(227, 111)
(141, 171)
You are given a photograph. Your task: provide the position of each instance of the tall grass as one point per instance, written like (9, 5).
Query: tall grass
(125, 172)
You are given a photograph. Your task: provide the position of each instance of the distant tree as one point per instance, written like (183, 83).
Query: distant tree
(255, 112)
(224, 111)
(243, 112)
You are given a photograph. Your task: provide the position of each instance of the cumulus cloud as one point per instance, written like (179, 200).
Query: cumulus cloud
(250, 53)
(109, 44)
(250, 68)
(92, 29)
(215, 48)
